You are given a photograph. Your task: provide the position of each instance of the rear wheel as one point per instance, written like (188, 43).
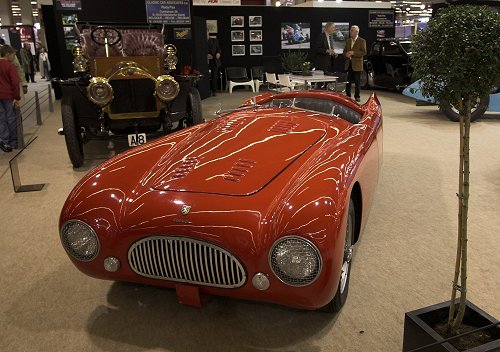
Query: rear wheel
(74, 142)
(343, 287)
(478, 109)
(193, 107)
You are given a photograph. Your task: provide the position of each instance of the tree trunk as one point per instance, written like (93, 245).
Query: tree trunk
(464, 208)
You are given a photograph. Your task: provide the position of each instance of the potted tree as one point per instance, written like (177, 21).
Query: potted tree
(458, 60)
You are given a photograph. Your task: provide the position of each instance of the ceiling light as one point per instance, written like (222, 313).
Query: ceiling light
(278, 3)
(338, 0)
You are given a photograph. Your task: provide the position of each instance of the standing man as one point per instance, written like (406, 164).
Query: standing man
(354, 51)
(214, 62)
(28, 62)
(20, 71)
(325, 52)
(9, 98)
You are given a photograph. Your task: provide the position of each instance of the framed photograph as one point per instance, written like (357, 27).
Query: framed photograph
(212, 26)
(256, 49)
(295, 35)
(340, 35)
(182, 33)
(255, 21)
(69, 32)
(238, 50)
(237, 21)
(256, 35)
(237, 36)
(69, 19)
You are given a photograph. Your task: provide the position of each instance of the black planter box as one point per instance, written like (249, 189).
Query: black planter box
(418, 333)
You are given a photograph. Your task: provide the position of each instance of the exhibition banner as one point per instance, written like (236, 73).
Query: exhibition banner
(68, 4)
(168, 11)
(216, 2)
(380, 18)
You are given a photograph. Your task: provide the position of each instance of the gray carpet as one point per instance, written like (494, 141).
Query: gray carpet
(404, 260)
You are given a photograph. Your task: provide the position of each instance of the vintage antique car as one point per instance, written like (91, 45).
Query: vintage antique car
(122, 88)
(263, 203)
(388, 64)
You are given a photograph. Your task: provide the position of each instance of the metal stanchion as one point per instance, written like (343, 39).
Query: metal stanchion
(37, 108)
(51, 105)
(20, 131)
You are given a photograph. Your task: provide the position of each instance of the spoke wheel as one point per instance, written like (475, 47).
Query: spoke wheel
(343, 287)
(72, 135)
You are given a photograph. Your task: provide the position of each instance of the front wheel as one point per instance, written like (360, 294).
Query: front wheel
(343, 287)
(72, 135)
(193, 107)
(478, 110)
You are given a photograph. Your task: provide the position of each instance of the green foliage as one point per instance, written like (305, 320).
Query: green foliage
(458, 55)
(293, 60)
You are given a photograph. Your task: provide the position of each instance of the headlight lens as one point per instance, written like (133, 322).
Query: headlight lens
(295, 261)
(167, 88)
(100, 91)
(79, 240)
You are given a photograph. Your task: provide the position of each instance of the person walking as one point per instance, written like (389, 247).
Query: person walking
(354, 51)
(20, 72)
(28, 62)
(9, 98)
(325, 52)
(44, 64)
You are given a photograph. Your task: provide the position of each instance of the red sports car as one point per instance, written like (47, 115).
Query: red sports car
(263, 203)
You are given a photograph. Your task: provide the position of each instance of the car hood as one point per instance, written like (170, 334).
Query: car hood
(238, 154)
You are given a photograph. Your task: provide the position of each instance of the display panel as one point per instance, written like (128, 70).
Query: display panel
(295, 35)
(212, 26)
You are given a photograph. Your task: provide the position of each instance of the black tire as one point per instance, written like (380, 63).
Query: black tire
(340, 297)
(72, 135)
(477, 112)
(363, 80)
(193, 107)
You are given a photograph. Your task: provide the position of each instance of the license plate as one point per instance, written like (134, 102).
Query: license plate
(136, 139)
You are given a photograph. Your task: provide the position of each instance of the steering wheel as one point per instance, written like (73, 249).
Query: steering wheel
(101, 33)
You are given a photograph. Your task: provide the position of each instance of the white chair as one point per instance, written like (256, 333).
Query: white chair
(272, 80)
(237, 76)
(257, 75)
(285, 82)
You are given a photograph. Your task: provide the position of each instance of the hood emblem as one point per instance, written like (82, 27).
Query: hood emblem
(185, 209)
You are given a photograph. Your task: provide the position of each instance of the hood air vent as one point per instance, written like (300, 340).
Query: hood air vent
(185, 168)
(239, 170)
(230, 125)
(283, 127)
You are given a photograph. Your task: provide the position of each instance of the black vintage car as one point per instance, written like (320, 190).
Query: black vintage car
(124, 87)
(388, 64)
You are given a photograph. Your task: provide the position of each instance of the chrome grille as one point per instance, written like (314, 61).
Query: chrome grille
(186, 260)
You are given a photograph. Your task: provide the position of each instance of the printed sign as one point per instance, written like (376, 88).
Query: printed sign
(168, 11)
(381, 18)
(68, 4)
(216, 2)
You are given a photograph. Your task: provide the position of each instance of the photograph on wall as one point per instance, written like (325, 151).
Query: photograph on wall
(237, 21)
(238, 50)
(182, 33)
(69, 19)
(255, 21)
(295, 35)
(237, 36)
(340, 35)
(69, 32)
(256, 35)
(212, 26)
(380, 33)
(256, 49)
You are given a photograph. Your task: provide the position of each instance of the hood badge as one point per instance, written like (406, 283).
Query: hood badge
(185, 209)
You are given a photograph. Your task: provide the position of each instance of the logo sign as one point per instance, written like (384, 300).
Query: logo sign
(136, 139)
(381, 18)
(185, 209)
(168, 11)
(68, 4)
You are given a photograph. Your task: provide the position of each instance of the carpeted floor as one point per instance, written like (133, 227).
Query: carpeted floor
(404, 260)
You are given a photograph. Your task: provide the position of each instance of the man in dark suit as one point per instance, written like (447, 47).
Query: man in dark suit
(354, 51)
(325, 52)
(214, 62)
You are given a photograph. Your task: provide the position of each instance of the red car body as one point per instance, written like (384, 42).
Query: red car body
(239, 183)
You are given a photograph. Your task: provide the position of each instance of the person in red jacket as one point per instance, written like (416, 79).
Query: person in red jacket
(9, 98)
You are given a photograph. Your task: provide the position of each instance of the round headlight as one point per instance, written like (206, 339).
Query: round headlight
(79, 240)
(167, 88)
(100, 91)
(295, 261)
